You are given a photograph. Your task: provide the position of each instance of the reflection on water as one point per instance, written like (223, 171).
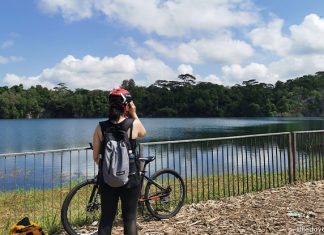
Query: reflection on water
(233, 156)
(255, 156)
(48, 170)
(41, 134)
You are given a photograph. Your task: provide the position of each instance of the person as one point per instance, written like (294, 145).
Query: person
(121, 110)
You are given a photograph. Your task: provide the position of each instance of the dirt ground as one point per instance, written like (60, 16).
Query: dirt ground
(294, 209)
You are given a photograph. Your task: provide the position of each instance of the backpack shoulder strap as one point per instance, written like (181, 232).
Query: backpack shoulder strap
(129, 125)
(104, 125)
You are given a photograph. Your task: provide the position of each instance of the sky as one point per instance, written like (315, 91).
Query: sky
(96, 44)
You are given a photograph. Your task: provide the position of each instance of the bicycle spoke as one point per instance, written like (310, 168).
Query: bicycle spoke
(164, 196)
(82, 216)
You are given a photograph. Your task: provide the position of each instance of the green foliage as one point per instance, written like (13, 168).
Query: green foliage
(184, 97)
(165, 112)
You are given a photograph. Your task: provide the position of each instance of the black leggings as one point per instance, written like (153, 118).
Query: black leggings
(109, 203)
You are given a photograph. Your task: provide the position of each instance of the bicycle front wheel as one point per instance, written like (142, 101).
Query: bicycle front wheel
(164, 194)
(81, 210)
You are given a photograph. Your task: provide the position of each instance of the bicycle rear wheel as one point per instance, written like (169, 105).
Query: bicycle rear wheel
(164, 194)
(81, 210)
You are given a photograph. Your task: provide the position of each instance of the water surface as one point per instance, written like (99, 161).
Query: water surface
(42, 134)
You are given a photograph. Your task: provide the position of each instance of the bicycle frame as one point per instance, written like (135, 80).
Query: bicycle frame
(164, 192)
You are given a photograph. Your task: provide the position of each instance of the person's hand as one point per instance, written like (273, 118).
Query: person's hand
(132, 110)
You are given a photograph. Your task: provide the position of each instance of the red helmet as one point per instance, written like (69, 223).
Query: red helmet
(120, 95)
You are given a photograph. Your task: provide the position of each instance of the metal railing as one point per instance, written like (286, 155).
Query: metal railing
(220, 167)
(227, 166)
(308, 150)
(34, 184)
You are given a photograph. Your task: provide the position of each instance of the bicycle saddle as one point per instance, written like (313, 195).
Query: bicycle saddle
(147, 159)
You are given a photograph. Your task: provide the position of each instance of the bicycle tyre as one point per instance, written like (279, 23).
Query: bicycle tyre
(168, 178)
(75, 225)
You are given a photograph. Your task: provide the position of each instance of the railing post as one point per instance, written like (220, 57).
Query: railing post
(141, 155)
(292, 157)
(141, 150)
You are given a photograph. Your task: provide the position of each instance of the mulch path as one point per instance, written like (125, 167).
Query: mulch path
(293, 209)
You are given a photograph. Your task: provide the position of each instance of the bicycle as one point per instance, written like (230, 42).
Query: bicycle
(163, 197)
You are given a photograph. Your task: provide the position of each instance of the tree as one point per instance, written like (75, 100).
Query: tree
(250, 82)
(187, 79)
(61, 87)
(300, 96)
(128, 84)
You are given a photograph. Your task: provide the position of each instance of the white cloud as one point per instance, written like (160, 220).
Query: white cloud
(221, 49)
(71, 10)
(184, 69)
(295, 66)
(108, 72)
(12, 79)
(300, 50)
(233, 74)
(105, 73)
(304, 39)
(89, 73)
(211, 78)
(271, 38)
(97, 73)
(307, 36)
(297, 48)
(10, 59)
(167, 18)
(154, 69)
(6, 44)
(210, 19)
(289, 67)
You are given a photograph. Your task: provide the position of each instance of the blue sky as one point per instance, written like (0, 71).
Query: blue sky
(96, 44)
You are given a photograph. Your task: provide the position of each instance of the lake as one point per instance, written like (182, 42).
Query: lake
(53, 170)
(44, 134)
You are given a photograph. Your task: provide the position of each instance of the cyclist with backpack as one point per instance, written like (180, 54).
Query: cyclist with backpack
(115, 141)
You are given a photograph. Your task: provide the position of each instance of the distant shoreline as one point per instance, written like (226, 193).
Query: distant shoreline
(156, 117)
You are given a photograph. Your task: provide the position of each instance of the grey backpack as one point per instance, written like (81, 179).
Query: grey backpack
(115, 152)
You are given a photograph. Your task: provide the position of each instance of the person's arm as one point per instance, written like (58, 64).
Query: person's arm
(137, 122)
(140, 128)
(97, 139)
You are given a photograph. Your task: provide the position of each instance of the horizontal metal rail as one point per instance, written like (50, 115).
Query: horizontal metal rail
(313, 131)
(42, 152)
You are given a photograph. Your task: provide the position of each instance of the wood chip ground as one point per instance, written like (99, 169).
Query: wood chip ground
(293, 209)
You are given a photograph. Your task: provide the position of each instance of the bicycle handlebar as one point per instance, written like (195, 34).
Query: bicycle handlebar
(90, 146)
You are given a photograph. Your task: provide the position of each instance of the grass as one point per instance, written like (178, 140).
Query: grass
(43, 206)
(226, 185)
